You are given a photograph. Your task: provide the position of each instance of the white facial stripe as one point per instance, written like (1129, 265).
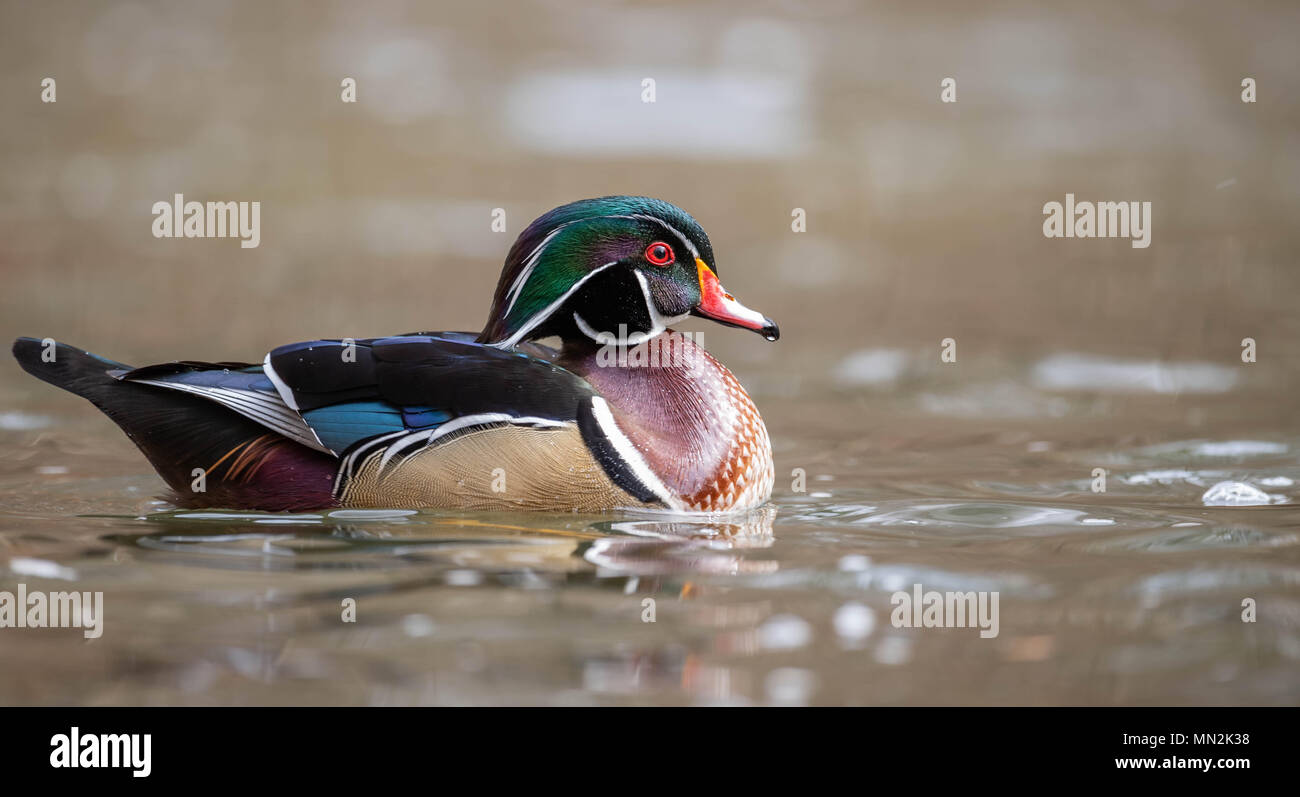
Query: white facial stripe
(694, 252)
(531, 263)
(545, 313)
(629, 454)
(603, 338)
(659, 323)
(690, 246)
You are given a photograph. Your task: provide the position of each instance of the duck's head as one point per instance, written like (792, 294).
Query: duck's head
(589, 268)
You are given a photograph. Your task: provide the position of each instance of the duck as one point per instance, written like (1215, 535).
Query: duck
(626, 413)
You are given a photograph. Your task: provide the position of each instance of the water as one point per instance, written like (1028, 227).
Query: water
(924, 223)
(1132, 595)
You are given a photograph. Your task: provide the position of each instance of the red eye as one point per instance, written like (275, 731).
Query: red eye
(659, 253)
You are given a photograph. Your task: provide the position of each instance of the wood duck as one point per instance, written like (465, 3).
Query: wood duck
(627, 413)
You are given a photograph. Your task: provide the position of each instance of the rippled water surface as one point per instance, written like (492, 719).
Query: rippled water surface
(1132, 595)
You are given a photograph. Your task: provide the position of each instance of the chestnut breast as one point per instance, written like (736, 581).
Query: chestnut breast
(688, 416)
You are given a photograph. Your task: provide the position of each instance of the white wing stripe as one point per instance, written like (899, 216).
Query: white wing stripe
(264, 408)
(405, 440)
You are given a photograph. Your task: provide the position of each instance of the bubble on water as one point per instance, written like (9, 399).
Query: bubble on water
(1275, 481)
(854, 621)
(871, 367)
(1235, 494)
(1113, 374)
(22, 421)
(1239, 448)
(418, 625)
(790, 686)
(463, 578)
(784, 632)
(855, 563)
(1171, 476)
(40, 568)
(1216, 449)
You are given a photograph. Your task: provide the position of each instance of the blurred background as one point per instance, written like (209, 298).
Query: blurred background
(924, 218)
(924, 222)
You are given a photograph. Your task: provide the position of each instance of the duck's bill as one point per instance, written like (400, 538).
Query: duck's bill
(718, 305)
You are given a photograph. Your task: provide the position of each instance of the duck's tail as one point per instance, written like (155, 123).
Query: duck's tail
(207, 454)
(68, 367)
